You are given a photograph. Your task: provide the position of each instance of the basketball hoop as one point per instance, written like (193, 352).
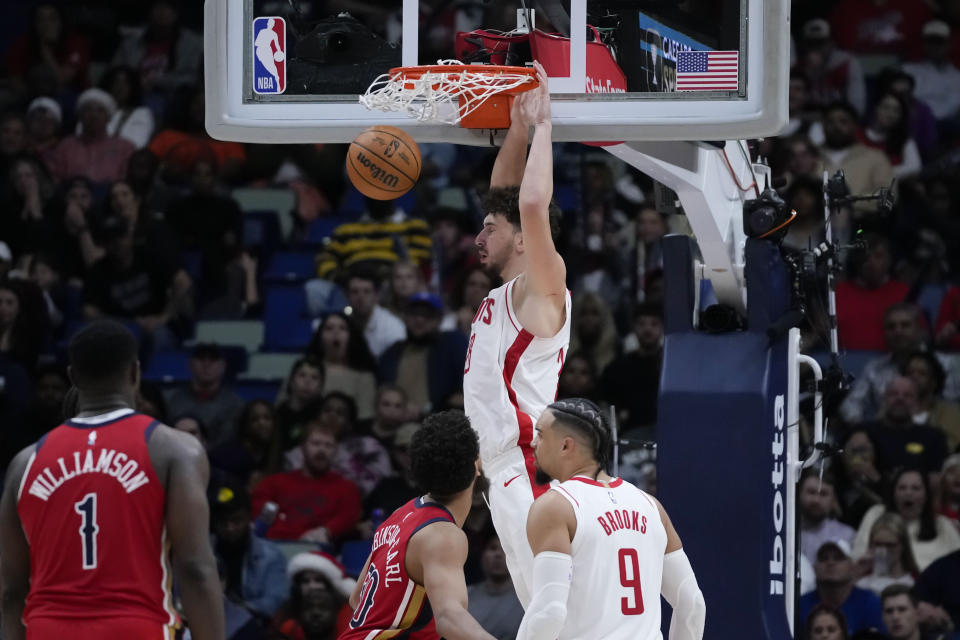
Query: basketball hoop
(484, 93)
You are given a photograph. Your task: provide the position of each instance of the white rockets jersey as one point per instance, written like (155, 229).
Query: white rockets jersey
(509, 376)
(617, 562)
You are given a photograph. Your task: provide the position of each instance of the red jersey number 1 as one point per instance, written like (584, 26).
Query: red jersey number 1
(87, 508)
(630, 578)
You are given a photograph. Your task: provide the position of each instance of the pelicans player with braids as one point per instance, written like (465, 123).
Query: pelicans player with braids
(522, 329)
(604, 551)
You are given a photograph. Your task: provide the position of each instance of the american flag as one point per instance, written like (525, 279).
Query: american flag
(708, 70)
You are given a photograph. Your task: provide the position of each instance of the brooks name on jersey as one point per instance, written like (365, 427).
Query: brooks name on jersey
(109, 462)
(623, 519)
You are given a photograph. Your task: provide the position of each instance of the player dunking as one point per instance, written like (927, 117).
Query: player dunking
(413, 584)
(604, 550)
(90, 512)
(521, 332)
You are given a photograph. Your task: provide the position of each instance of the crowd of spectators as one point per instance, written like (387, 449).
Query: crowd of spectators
(114, 201)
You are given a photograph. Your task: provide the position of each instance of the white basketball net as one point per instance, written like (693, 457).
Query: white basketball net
(429, 97)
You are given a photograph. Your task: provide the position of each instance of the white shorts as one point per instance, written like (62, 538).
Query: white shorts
(511, 493)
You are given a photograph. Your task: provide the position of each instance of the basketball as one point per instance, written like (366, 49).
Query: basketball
(278, 56)
(383, 162)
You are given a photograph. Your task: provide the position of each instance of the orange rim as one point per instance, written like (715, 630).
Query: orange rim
(492, 70)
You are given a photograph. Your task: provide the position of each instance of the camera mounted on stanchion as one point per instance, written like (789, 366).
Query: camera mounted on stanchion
(767, 216)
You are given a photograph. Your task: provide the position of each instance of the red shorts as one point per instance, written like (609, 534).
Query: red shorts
(98, 629)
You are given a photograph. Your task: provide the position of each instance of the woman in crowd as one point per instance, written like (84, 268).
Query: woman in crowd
(298, 404)
(950, 490)
(889, 558)
(860, 485)
(593, 332)
(406, 279)
(578, 379)
(825, 624)
(924, 368)
(132, 120)
(24, 225)
(348, 365)
(473, 288)
(24, 324)
(932, 536)
(75, 244)
(250, 450)
(889, 131)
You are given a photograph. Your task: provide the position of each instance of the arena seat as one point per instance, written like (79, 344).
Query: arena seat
(168, 367)
(353, 555)
(269, 366)
(280, 201)
(291, 266)
(321, 229)
(261, 229)
(251, 390)
(288, 327)
(244, 333)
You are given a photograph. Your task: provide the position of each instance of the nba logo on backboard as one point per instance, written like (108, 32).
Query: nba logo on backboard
(269, 55)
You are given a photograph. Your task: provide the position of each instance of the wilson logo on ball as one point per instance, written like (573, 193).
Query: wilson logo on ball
(376, 172)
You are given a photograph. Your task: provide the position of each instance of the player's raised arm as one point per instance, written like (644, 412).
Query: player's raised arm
(512, 157)
(679, 587)
(546, 274)
(550, 528)
(441, 550)
(188, 526)
(14, 552)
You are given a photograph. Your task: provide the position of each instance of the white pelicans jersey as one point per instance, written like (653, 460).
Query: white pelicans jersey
(617, 562)
(509, 376)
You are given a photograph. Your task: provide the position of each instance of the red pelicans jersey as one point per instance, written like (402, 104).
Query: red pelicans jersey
(391, 604)
(92, 510)
(617, 562)
(510, 375)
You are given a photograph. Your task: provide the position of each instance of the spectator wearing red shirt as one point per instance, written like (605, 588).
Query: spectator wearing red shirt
(880, 26)
(947, 331)
(314, 503)
(862, 301)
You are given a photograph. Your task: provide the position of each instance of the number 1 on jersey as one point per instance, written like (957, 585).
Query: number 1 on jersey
(630, 578)
(87, 508)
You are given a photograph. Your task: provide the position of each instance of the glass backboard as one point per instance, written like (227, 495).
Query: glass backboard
(292, 70)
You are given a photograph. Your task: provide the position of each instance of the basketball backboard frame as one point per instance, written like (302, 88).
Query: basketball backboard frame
(759, 109)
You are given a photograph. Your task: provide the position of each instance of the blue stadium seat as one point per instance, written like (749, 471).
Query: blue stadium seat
(168, 366)
(291, 266)
(321, 229)
(257, 389)
(236, 357)
(353, 555)
(261, 229)
(288, 327)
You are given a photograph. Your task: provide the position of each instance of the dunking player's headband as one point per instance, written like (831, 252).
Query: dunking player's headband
(589, 414)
